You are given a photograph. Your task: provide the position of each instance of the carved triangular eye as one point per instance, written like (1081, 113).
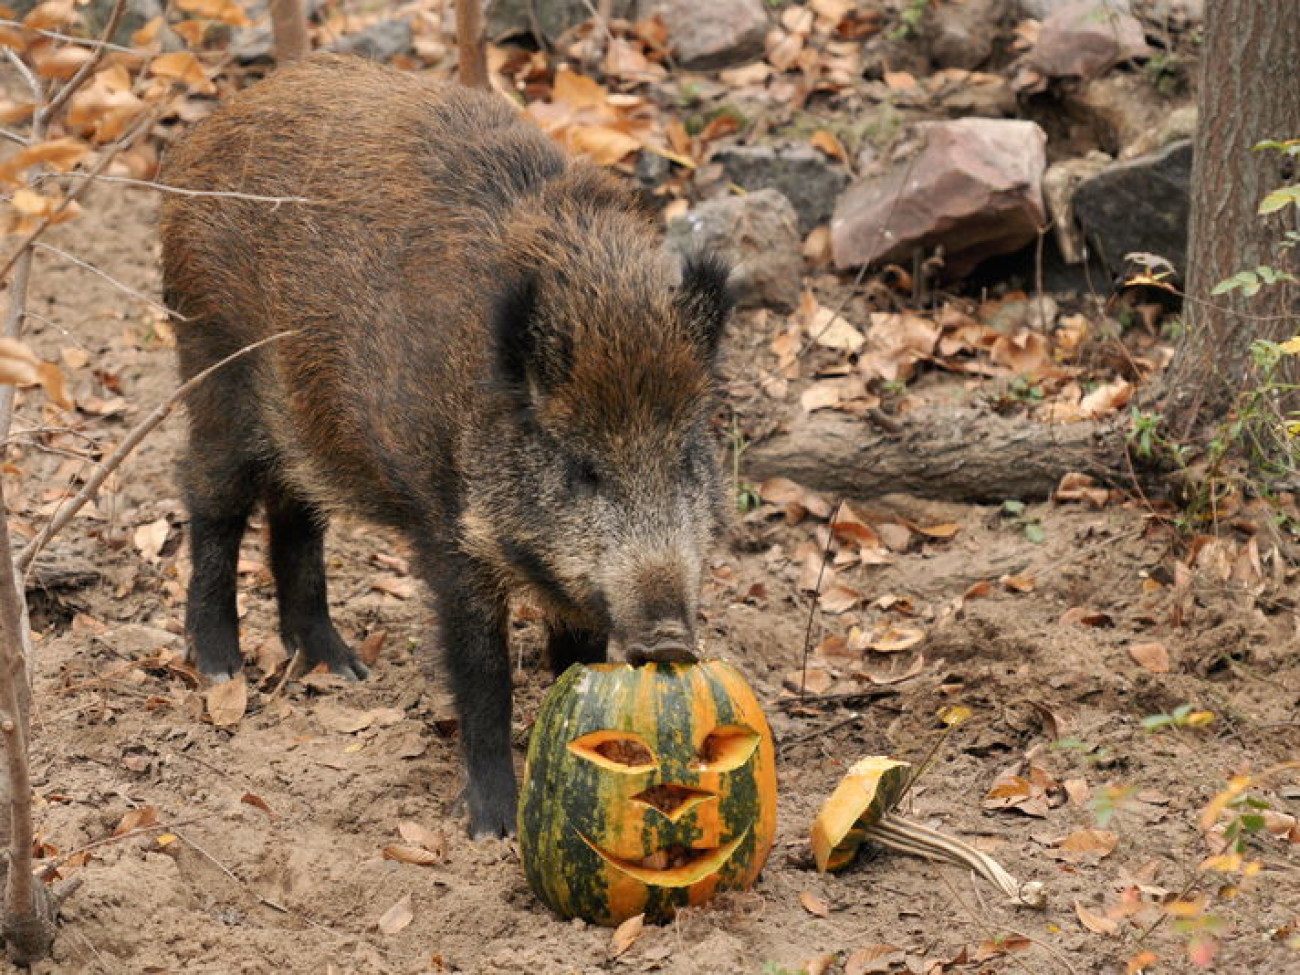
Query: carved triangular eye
(726, 748)
(617, 751)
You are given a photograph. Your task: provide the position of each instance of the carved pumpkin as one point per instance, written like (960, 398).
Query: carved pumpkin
(646, 789)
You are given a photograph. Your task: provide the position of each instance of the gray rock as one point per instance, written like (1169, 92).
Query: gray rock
(1178, 14)
(1040, 9)
(974, 186)
(378, 42)
(805, 177)
(1085, 38)
(1129, 115)
(717, 33)
(758, 233)
(510, 18)
(961, 35)
(981, 95)
(1139, 205)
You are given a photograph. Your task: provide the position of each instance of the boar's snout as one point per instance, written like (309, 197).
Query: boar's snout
(667, 642)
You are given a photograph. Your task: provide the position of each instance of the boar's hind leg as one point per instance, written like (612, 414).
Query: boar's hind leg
(298, 565)
(221, 487)
(565, 647)
(473, 622)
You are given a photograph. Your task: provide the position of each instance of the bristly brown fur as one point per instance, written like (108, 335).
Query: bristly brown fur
(496, 358)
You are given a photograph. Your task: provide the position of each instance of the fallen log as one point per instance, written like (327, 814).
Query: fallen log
(949, 453)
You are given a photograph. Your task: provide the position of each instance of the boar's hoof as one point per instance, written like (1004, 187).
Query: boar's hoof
(491, 819)
(350, 669)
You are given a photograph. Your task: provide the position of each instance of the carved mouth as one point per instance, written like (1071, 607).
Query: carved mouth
(674, 865)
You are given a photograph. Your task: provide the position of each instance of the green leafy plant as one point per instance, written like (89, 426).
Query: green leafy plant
(1016, 512)
(1183, 716)
(746, 495)
(909, 21)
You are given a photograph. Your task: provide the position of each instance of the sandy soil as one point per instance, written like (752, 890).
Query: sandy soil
(294, 881)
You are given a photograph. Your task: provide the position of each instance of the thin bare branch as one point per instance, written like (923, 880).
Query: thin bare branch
(120, 286)
(55, 104)
(33, 83)
(143, 125)
(124, 449)
(181, 190)
(15, 137)
(54, 35)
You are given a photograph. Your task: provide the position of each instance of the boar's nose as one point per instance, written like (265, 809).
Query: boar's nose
(666, 642)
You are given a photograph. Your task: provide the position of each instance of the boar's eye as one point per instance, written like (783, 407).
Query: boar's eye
(584, 479)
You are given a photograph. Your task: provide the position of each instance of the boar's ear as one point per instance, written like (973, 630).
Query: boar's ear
(705, 299)
(530, 357)
(514, 332)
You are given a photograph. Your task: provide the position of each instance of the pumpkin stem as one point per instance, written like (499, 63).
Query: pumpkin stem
(908, 836)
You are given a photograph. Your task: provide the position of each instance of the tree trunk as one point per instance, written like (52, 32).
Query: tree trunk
(289, 30)
(470, 44)
(1248, 92)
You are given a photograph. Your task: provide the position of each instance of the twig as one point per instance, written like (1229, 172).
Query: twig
(124, 449)
(14, 137)
(145, 122)
(864, 696)
(54, 35)
(817, 590)
(182, 191)
(124, 288)
(989, 926)
(48, 869)
(33, 83)
(51, 109)
(274, 905)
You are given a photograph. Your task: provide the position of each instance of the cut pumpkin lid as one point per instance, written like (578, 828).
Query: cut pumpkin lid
(870, 789)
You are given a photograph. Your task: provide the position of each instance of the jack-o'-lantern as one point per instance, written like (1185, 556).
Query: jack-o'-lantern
(647, 788)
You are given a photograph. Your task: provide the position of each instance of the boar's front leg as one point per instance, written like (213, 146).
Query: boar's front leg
(298, 565)
(472, 614)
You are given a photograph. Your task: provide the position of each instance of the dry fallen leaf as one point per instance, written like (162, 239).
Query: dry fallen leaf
(1086, 843)
(872, 959)
(1096, 923)
(371, 647)
(227, 701)
(257, 802)
(1020, 583)
(397, 917)
(136, 818)
(896, 638)
(432, 840)
(839, 598)
(1153, 656)
(343, 719)
(829, 143)
(813, 904)
(416, 855)
(625, 935)
(149, 539)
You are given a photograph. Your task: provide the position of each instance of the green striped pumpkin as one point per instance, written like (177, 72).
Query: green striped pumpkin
(646, 789)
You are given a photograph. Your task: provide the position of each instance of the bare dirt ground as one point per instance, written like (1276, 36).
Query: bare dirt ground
(267, 856)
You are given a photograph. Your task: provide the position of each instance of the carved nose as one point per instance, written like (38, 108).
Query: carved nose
(668, 642)
(674, 801)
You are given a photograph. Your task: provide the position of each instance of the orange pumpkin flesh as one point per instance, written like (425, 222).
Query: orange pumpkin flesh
(870, 789)
(646, 789)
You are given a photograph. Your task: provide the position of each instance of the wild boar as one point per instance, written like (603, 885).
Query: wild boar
(490, 354)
